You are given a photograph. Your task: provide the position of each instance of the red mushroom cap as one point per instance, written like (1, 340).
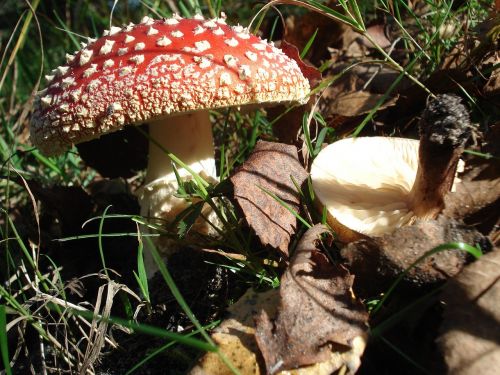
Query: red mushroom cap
(156, 68)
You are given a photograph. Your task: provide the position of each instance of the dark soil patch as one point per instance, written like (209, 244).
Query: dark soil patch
(207, 288)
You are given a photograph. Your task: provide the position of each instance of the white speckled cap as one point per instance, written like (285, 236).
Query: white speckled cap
(158, 68)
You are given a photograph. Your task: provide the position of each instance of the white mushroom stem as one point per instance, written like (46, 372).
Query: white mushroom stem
(189, 138)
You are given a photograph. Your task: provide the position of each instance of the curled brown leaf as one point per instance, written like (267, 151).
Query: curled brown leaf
(270, 170)
(318, 313)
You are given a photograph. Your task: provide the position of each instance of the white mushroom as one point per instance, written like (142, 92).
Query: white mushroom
(373, 185)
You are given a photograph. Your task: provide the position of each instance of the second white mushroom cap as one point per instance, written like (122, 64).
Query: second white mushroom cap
(365, 182)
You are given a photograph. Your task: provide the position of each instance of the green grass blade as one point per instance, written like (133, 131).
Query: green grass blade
(382, 99)
(184, 10)
(202, 184)
(307, 135)
(273, 28)
(481, 154)
(405, 356)
(20, 41)
(423, 302)
(3, 341)
(148, 330)
(285, 205)
(45, 161)
(99, 239)
(174, 290)
(319, 141)
(141, 276)
(218, 7)
(68, 31)
(104, 235)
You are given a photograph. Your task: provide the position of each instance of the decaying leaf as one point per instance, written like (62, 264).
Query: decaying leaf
(477, 202)
(492, 87)
(318, 313)
(376, 262)
(299, 29)
(470, 339)
(312, 74)
(378, 33)
(271, 168)
(343, 343)
(356, 92)
(235, 337)
(287, 124)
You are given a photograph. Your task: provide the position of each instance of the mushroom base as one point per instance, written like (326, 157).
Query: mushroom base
(161, 207)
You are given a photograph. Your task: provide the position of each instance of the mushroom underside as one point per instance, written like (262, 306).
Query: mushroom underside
(364, 182)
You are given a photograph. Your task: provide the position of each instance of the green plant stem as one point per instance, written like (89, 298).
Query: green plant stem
(211, 9)
(20, 41)
(396, 65)
(3, 341)
(99, 239)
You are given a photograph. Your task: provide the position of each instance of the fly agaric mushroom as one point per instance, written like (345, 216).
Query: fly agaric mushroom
(372, 185)
(167, 73)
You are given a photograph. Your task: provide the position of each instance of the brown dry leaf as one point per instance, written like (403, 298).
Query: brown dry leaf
(318, 313)
(492, 87)
(235, 337)
(470, 339)
(356, 93)
(377, 33)
(357, 103)
(312, 74)
(287, 124)
(270, 167)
